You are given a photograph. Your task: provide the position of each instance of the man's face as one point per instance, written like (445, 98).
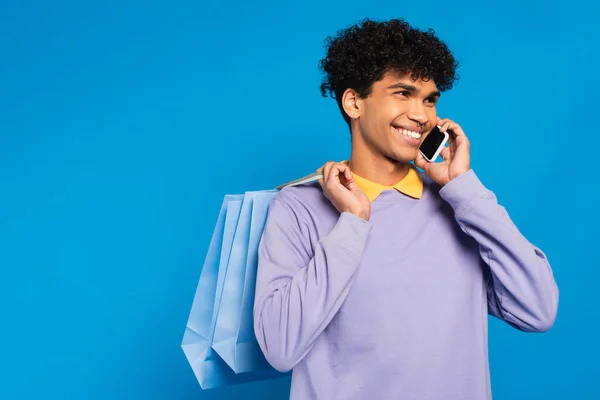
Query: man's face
(390, 116)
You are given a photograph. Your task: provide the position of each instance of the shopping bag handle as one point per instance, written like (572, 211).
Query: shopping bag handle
(315, 176)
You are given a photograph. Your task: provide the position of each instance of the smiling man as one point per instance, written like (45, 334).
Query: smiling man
(377, 282)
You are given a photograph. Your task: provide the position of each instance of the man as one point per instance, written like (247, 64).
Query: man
(376, 282)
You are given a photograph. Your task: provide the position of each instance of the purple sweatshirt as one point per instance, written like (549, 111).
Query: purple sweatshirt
(396, 307)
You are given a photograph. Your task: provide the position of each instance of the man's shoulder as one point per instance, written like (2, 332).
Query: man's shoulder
(304, 199)
(305, 203)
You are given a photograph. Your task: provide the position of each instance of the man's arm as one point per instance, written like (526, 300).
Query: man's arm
(298, 292)
(521, 286)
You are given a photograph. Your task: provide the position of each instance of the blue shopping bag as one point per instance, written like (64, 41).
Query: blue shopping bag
(234, 338)
(223, 303)
(209, 369)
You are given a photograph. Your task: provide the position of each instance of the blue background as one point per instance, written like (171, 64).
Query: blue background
(122, 125)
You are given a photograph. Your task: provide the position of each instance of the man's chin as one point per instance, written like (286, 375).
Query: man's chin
(405, 157)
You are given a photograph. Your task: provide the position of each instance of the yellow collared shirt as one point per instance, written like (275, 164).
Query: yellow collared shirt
(411, 185)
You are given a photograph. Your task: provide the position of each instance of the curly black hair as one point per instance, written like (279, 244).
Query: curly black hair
(361, 54)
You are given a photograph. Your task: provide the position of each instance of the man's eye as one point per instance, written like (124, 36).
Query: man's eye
(403, 93)
(431, 100)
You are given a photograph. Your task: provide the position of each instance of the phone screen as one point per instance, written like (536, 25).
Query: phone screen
(432, 142)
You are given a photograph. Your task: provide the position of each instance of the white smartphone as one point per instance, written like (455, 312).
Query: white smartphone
(433, 144)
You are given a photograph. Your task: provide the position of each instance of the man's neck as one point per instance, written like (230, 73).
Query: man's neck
(377, 168)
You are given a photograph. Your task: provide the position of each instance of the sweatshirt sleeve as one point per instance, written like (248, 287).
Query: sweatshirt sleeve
(520, 284)
(298, 290)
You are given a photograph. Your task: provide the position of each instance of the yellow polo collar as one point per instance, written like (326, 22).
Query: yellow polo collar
(411, 185)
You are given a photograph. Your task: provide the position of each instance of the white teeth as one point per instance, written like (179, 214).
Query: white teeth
(410, 133)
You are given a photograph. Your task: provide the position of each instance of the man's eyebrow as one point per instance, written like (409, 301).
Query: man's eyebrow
(405, 86)
(413, 89)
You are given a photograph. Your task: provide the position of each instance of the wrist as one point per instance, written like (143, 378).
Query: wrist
(361, 213)
(456, 175)
(463, 191)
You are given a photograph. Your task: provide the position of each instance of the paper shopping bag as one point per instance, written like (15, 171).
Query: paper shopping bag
(234, 337)
(246, 343)
(234, 244)
(209, 369)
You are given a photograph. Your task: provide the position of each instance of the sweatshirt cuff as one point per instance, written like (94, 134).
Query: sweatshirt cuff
(463, 191)
(351, 231)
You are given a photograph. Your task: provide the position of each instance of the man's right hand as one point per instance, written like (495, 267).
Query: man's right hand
(342, 191)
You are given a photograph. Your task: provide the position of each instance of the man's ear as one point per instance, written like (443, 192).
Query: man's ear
(352, 103)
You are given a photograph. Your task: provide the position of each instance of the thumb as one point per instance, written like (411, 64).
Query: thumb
(420, 161)
(353, 186)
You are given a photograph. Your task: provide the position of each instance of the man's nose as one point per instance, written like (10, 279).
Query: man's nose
(417, 113)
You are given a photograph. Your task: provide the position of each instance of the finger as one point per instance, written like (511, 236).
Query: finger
(455, 142)
(446, 153)
(348, 174)
(456, 134)
(456, 131)
(345, 175)
(452, 144)
(420, 161)
(326, 169)
(344, 171)
(444, 124)
(335, 171)
(460, 146)
(322, 183)
(322, 167)
(441, 121)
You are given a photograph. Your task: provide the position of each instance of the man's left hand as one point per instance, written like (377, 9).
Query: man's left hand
(456, 157)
